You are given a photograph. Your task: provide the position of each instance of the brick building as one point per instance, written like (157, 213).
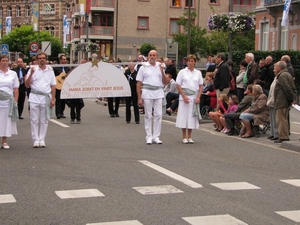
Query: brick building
(270, 35)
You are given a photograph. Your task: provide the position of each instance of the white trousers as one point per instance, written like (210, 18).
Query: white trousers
(155, 104)
(39, 122)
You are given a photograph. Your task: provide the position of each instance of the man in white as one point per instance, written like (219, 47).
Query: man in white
(151, 76)
(42, 81)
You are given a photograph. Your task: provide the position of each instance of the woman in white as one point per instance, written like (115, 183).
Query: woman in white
(9, 94)
(189, 84)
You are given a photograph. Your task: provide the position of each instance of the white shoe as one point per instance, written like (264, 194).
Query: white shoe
(5, 146)
(36, 145)
(149, 141)
(190, 140)
(42, 145)
(157, 141)
(185, 141)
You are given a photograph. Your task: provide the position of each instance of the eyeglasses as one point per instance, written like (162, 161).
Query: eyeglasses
(42, 58)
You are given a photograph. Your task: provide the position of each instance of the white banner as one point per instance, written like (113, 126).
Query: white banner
(7, 25)
(285, 14)
(93, 80)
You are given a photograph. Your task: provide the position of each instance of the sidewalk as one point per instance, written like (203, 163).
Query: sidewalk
(293, 144)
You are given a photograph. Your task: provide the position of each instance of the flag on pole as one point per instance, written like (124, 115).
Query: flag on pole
(7, 25)
(35, 15)
(285, 14)
(82, 5)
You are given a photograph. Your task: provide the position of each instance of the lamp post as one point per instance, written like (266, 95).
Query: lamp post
(230, 33)
(188, 44)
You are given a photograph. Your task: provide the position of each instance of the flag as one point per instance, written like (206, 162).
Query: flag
(82, 5)
(66, 25)
(35, 15)
(7, 25)
(285, 14)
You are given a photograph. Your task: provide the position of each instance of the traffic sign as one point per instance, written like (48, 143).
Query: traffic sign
(34, 47)
(33, 53)
(4, 49)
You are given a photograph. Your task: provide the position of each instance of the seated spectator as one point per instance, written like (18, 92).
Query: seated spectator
(239, 80)
(222, 108)
(230, 118)
(209, 95)
(170, 90)
(258, 111)
(262, 84)
(173, 107)
(232, 106)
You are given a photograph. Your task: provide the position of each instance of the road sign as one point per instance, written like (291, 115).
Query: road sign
(33, 53)
(34, 47)
(46, 47)
(4, 49)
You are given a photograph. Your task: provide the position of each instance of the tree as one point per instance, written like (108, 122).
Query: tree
(20, 38)
(146, 48)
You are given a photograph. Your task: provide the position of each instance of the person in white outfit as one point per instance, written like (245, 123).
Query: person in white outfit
(152, 78)
(189, 84)
(9, 93)
(42, 81)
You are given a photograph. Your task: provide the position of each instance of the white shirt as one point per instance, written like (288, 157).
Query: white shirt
(8, 81)
(189, 79)
(41, 80)
(151, 75)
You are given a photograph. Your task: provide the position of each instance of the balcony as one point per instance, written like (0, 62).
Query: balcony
(98, 31)
(103, 5)
(243, 8)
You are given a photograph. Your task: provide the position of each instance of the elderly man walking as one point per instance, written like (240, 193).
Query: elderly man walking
(151, 76)
(284, 96)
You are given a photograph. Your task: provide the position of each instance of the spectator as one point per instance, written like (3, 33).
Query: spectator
(232, 106)
(222, 75)
(239, 80)
(251, 71)
(258, 111)
(284, 96)
(222, 109)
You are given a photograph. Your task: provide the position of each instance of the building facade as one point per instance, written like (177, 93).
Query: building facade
(270, 35)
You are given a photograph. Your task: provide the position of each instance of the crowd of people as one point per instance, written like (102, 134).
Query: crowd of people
(258, 94)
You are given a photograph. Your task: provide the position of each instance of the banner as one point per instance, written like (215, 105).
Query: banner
(7, 25)
(82, 7)
(285, 14)
(0, 28)
(35, 15)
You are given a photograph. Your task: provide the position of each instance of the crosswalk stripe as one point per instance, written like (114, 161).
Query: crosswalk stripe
(294, 182)
(171, 174)
(127, 222)
(154, 190)
(235, 186)
(213, 220)
(83, 193)
(7, 199)
(292, 215)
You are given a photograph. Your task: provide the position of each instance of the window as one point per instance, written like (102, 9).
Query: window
(1, 11)
(174, 27)
(176, 3)
(192, 3)
(106, 20)
(244, 2)
(265, 36)
(9, 11)
(50, 30)
(214, 2)
(143, 23)
(283, 37)
(27, 11)
(18, 11)
(68, 7)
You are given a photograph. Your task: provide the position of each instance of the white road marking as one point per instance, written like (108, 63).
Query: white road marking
(235, 186)
(292, 215)
(7, 199)
(295, 182)
(127, 222)
(154, 190)
(58, 123)
(213, 220)
(83, 193)
(171, 174)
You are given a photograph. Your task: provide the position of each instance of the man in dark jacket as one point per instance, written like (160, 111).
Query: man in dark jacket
(222, 75)
(268, 76)
(21, 72)
(171, 69)
(252, 69)
(284, 95)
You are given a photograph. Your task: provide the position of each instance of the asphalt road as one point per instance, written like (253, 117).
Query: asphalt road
(101, 171)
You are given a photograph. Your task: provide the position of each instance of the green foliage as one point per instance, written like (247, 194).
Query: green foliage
(20, 38)
(244, 41)
(146, 48)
